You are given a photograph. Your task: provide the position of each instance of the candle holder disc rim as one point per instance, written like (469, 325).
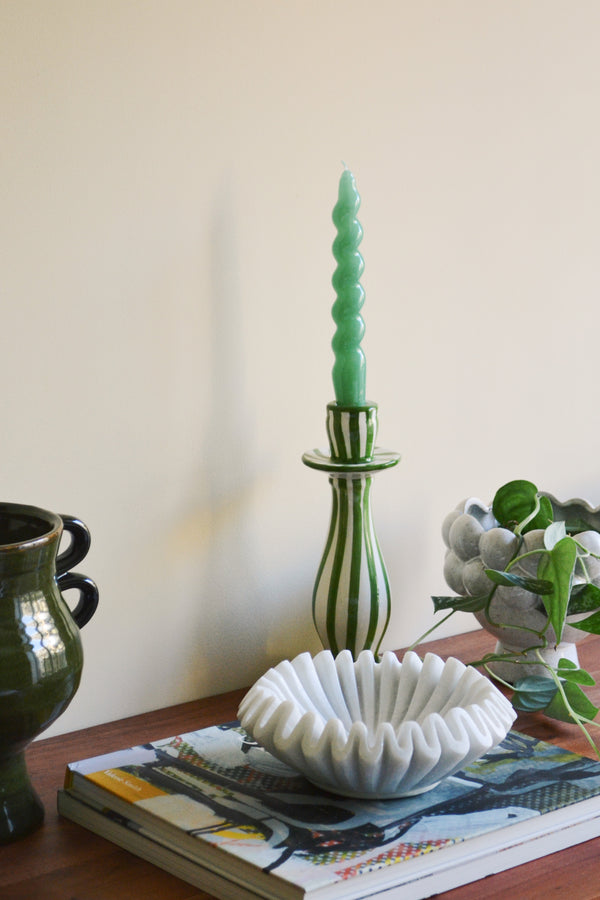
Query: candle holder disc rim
(322, 460)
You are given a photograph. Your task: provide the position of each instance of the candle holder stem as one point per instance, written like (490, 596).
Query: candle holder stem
(351, 596)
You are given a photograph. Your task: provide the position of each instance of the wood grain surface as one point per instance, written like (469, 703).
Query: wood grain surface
(62, 861)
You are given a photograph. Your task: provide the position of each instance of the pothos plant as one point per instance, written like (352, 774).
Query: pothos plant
(520, 513)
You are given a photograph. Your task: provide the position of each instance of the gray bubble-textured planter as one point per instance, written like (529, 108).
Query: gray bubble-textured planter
(476, 542)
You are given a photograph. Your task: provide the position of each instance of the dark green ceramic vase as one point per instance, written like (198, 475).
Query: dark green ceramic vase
(40, 648)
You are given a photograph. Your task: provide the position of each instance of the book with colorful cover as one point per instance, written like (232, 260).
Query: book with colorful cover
(218, 810)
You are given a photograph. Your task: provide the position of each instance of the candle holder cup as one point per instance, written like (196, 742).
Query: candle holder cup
(351, 596)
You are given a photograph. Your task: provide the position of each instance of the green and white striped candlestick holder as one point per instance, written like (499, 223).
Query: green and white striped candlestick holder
(351, 596)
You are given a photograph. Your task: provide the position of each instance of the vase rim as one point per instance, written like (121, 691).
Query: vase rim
(23, 526)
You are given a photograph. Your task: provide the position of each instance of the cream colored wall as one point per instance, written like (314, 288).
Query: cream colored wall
(168, 173)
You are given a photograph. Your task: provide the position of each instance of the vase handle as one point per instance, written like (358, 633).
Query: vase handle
(75, 552)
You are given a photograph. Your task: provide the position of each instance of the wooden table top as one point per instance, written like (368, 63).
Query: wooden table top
(62, 861)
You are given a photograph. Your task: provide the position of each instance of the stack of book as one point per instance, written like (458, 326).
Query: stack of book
(217, 810)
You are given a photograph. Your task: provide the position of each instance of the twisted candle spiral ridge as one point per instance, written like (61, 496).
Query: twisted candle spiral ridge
(349, 370)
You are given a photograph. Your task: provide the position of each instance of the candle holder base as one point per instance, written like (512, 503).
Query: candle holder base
(351, 596)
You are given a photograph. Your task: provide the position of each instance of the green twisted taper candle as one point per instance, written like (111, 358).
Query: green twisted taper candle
(349, 369)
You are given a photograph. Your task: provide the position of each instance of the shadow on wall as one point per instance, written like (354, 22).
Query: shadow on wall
(214, 538)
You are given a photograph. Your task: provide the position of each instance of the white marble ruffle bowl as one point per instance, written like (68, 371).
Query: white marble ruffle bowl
(375, 730)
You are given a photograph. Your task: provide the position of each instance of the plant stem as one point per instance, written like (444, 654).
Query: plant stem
(519, 528)
(577, 719)
(429, 631)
